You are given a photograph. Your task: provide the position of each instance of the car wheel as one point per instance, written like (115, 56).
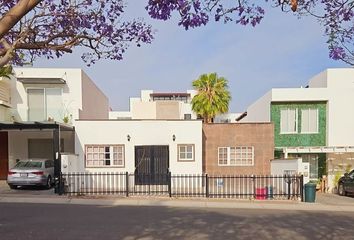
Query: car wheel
(13, 186)
(49, 182)
(341, 190)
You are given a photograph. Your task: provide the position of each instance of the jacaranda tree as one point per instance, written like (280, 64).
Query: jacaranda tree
(336, 16)
(51, 28)
(212, 98)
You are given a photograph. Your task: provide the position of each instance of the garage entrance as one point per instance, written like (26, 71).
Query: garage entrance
(23, 140)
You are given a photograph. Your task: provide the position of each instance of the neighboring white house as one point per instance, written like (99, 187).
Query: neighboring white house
(153, 105)
(313, 121)
(39, 106)
(140, 146)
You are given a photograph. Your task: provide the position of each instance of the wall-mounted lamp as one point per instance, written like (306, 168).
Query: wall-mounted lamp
(174, 137)
(128, 138)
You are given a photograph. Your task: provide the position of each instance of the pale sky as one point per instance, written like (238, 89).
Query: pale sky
(282, 51)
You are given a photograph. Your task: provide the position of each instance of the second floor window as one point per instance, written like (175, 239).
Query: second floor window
(288, 120)
(309, 120)
(44, 103)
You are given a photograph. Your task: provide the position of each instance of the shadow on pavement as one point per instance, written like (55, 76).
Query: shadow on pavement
(94, 222)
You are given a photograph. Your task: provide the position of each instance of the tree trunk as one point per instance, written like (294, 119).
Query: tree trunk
(15, 14)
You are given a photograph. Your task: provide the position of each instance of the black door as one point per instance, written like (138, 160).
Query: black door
(151, 165)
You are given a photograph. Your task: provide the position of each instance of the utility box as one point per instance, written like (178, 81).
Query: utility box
(290, 167)
(69, 163)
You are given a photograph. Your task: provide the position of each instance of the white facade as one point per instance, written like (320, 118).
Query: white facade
(141, 133)
(335, 86)
(78, 96)
(152, 105)
(282, 167)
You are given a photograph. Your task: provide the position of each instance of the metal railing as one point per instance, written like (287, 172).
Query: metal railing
(184, 185)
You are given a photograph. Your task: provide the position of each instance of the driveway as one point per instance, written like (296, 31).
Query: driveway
(5, 190)
(334, 199)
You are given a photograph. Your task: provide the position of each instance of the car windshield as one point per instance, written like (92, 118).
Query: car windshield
(29, 164)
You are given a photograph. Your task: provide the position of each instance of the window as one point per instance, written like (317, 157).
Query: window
(288, 121)
(105, 155)
(44, 103)
(309, 120)
(236, 156)
(187, 116)
(186, 152)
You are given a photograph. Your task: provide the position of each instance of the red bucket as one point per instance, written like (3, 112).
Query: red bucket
(261, 193)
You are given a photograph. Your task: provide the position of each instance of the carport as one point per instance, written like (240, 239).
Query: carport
(34, 139)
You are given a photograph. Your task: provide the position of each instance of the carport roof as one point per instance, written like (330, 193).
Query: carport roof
(35, 125)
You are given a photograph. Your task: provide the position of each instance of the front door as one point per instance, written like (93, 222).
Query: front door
(4, 155)
(151, 165)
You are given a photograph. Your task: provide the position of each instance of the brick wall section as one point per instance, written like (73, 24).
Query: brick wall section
(258, 135)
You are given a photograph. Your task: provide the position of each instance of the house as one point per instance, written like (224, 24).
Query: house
(314, 123)
(238, 148)
(139, 146)
(38, 111)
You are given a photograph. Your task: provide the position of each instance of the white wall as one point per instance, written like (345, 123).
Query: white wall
(154, 132)
(94, 102)
(120, 115)
(319, 81)
(18, 143)
(72, 98)
(4, 113)
(143, 110)
(259, 111)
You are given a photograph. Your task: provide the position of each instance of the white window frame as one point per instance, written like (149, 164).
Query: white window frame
(45, 116)
(242, 160)
(185, 159)
(286, 131)
(309, 120)
(99, 155)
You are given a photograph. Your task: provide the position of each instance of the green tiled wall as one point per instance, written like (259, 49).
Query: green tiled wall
(299, 139)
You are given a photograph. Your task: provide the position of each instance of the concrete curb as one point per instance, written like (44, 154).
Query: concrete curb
(231, 204)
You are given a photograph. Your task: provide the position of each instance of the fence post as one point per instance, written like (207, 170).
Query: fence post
(254, 187)
(302, 187)
(206, 186)
(127, 184)
(289, 188)
(169, 176)
(60, 187)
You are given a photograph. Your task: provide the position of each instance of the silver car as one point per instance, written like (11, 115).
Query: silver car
(31, 172)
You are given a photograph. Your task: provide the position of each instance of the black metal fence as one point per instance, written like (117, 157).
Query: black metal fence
(184, 185)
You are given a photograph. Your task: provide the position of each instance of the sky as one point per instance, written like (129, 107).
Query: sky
(283, 51)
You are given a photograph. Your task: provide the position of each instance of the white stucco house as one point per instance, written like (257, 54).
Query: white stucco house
(140, 146)
(313, 122)
(39, 107)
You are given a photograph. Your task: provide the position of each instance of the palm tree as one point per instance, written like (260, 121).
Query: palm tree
(6, 71)
(213, 96)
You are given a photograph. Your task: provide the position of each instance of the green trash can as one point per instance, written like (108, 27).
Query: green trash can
(310, 192)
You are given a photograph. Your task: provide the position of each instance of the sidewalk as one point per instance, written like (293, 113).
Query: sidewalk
(171, 202)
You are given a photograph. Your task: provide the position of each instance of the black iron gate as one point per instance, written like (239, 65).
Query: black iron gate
(151, 165)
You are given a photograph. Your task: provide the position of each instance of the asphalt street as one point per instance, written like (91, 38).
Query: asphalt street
(56, 221)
